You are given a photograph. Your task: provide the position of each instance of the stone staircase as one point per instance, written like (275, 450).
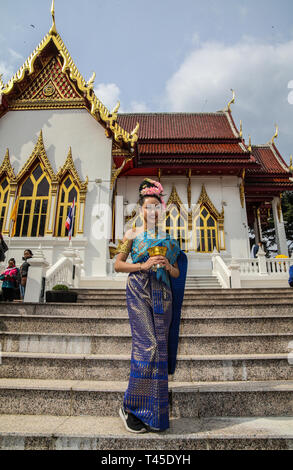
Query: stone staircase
(202, 282)
(65, 368)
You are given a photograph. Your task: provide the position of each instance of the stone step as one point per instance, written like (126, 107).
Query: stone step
(196, 344)
(190, 296)
(94, 398)
(190, 368)
(209, 309)
(120, 325)
(34, 432)
(276, 291)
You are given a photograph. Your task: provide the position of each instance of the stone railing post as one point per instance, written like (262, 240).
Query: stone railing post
(235, 274)
(35, 285)
(78, 265)
(262, 262)
(72, 256)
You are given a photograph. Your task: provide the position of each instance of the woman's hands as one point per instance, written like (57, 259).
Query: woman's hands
(161, 260)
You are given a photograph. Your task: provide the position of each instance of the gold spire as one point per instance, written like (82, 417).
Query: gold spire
(291, 165)
(249, 146)
(231, 102)
(276, 134)
(241, 131)
(53, 30)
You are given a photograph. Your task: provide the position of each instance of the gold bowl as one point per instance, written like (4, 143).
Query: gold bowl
(157, 251)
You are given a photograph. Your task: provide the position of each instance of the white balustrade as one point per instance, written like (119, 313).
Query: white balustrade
(221, 271)
(60, 273)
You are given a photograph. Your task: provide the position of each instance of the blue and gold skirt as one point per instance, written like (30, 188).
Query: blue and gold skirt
(149, 304)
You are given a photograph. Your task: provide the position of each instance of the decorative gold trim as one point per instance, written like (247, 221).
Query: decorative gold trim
(241, 130)
(204, 200)
(291, 165)
(6, 168)
(116, 171)
(39, 152)
(70, 168)
(231, 102)
(275, 134)
(174, 198)
(53, 29)
(97, 109)
(22, 105)
(242, 188)
(2, 85)
(249, 145)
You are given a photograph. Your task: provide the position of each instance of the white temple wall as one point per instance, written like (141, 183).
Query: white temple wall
(222, 190)
(91, 152)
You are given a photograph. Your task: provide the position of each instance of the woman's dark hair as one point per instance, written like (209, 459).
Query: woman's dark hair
(11, 259)
(146, 184)
(30, 252)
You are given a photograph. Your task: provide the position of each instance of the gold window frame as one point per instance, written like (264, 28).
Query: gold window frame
(204, 202)
(6, 172)
(175, 204)
(81, 188)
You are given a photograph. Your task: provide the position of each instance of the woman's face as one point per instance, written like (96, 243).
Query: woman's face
(11, 263)
(151, 209)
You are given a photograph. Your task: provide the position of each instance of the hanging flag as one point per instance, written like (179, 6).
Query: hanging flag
(13, 218)
(70, 220)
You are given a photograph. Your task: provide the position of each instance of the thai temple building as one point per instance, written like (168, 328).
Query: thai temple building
(59, 143)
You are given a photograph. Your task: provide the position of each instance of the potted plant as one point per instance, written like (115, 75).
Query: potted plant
(61, 293)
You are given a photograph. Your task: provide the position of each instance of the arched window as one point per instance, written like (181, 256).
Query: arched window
(176, 221)
(176, 226)
(208, 225)
(4, 191)
(206, 234)
(33, 203)
(71, 187)
(67, 194)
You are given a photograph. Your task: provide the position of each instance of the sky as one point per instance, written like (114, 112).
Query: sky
(171, 55)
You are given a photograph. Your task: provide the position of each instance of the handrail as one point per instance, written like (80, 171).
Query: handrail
(60, 273)
(221, 270)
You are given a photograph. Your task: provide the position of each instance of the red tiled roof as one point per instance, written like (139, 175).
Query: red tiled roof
(179, 125)
(189, 148)
(269, 159)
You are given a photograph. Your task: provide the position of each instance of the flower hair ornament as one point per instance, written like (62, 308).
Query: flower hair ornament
(152, 188)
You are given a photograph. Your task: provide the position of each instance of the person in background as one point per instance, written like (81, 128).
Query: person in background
(290, 281)
(9, 278)
(24, 271)
(255, 249)
(3, 248)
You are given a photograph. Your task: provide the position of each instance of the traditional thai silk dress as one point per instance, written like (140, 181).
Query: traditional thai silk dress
(154, 306)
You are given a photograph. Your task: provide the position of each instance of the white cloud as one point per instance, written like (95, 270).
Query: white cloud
(108, 93)
(258, 72)
(6, 70)
(138, 107)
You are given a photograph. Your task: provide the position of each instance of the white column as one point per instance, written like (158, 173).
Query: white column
(279, 227)
(36, 273)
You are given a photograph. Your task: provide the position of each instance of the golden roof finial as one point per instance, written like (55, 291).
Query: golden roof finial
(231, 102)
(249, 146)
(291, 164)
(276, 134)
(115, 110)
(53, 30)
(241, 131)
(1, 82)
(91, 81)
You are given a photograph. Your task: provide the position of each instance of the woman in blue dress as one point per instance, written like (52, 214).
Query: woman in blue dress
(154, 295)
